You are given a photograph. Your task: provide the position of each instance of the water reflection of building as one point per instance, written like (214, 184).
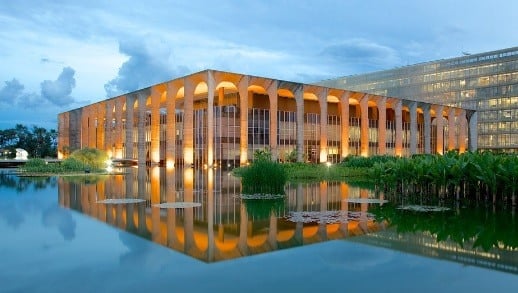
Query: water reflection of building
(424, 243)
(215, 118)
(222, 227)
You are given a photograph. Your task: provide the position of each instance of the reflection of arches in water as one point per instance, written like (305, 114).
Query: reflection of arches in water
(332, 228)
(256, 241)
(285, 235)
(228, 244)
(309, 231)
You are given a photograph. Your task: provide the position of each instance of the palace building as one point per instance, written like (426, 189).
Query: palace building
(216, 118)
(486, 82)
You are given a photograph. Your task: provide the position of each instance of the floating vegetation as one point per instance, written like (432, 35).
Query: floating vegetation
(260, 196)
(365, 200)
(121, 200)
(177, 205)
(420, 208)
(327, 217)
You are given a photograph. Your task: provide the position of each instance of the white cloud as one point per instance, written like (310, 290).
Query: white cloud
(362, 53)
(11, 91)
(150, 62)
(58, 91)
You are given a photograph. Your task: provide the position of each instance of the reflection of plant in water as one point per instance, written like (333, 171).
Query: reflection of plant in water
(84, 179)
(21, 184)
(485, 227)
(258, 209)
(7, 180)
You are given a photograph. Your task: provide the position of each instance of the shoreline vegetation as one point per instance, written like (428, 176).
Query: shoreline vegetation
(483, 176)
(80, 163)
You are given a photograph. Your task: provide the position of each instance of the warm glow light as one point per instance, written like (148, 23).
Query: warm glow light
(155, 156)
(109, 169)
(169, 164)
(328, 164)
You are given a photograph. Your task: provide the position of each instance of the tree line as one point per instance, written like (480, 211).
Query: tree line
(37, 141)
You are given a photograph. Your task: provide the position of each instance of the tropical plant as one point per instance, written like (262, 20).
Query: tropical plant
(263, 176)
(93, 159)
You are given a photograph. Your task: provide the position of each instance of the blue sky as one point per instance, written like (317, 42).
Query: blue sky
(57, 55)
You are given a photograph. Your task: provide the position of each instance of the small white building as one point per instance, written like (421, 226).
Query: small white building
(21, 154)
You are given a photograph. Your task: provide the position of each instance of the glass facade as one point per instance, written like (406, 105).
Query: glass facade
(487, 82)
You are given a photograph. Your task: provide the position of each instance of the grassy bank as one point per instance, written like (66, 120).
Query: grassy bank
(318, 172)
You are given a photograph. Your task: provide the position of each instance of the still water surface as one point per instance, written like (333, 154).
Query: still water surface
(110, 234)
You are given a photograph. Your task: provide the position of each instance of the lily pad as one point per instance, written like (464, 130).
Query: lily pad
(121, 200)
(177, 205)
(420, 208)
(261, 196)
(365, 200)
(326, 217)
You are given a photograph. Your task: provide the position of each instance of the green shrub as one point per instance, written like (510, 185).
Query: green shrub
(72, 164)
(263, 177)
(35, 163)
(93, 159)
(366, 162)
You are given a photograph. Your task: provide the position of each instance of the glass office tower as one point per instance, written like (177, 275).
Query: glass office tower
(487, 82)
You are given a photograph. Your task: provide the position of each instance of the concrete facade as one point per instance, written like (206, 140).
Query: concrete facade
(222, 118)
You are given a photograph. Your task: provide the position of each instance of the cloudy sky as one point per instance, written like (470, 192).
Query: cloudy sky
(57, 55)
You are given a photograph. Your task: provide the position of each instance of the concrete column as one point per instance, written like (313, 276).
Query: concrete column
(154, 150)
(221, 96)
(462, 130)
(130, 103)
(84, 127)
(299, 99)
(63, 133)
(427, 129)
(399, 127)
(108, 131)
(211, 88)
(101, 119)
(188, 122)
(344, 124)
(364, 126)
(141, 128)
(272, 95)
(117, 133)
(170, 144)
(473, 133)
(382, 125)
(451, 129)
(413, 127)
(440, 130)
(322, 99)
(92, 131)
(243, 120)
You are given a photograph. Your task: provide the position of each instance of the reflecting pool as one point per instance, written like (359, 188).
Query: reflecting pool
(185, 229)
